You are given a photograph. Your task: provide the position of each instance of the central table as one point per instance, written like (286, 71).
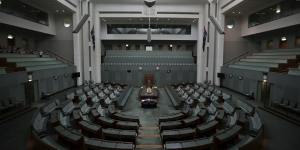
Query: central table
(148, 97)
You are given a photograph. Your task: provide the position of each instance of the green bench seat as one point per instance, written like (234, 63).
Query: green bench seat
(276, 54)
(2, 70)
(254, 68)
(270, 65)
(11, 55)
(282, 50)
(37, 63)
(294, 72)
(36, 68)
(265, 60)
(28, 59)
(273, 57)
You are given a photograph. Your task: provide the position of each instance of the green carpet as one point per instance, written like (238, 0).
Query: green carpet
(149, 134)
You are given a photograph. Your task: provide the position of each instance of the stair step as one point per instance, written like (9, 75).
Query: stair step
(149, 135)
(149, 128)
(149, 146)
(149, 132)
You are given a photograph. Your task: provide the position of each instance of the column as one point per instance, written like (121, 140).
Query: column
(77, 48)
(200, 65)
(97, 49)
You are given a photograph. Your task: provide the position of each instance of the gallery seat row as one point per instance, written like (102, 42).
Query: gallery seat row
(11, 62)
(276, 60)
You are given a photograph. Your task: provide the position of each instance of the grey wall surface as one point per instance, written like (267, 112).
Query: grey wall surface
(242, 81)
(270, 26)
(282, 86)
(21, 35)
(290, 33)
(157, 45)
(12, 86)
(135, 77)
(62, 43)
(48, 81)
(236, 45)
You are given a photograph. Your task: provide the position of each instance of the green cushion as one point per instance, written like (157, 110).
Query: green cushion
(271, 65)
(36, 68)
(37, 63)
(29, 59)
(265, 60)
(2, 71)
(10, 55)
(282, 50)
(294, 72)
(273, 57)
(277, 54)
(255, 68)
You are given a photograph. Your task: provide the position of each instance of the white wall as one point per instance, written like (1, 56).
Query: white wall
(290, 33)
(105, 36)
(26, 24)
(141, 8)
(273, 25)
(62, 43)
(235, 45)
(20, 35)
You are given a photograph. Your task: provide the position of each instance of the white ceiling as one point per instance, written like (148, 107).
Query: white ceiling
(48, 5)
(250, 6)
(153, 20)
(157, 1)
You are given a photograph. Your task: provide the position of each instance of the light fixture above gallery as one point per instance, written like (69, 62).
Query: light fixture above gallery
(10, 36)
(67, 22)
(283, 39)
(230, 23)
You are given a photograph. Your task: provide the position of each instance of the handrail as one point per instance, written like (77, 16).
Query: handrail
(60, 58)
(237, 58)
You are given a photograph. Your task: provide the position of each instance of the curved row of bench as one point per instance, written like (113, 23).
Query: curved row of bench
(68, 125)
(216, 123)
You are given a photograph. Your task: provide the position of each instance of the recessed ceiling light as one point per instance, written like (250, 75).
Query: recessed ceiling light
(67, 22)
(283, 38)
(278, 9)
(230, 23)
(157, 67)
(230, 26)
(67, 25)
(10, 36)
